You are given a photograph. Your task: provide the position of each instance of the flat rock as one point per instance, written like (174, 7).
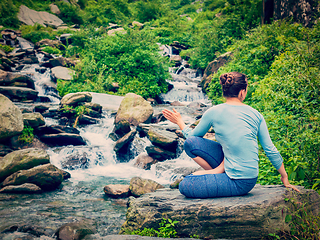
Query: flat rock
(30, 17)
(19, 93)
(62, 73)
(24, 188)
(252, 216)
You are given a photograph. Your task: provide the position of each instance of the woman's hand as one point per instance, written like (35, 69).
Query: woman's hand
(174, 117)
(286, 183)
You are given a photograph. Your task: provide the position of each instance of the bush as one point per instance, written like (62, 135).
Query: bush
(36, 32)
(70, 14)
(131, 59)
(8, 14)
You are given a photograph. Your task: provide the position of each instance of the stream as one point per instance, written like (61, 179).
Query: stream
(82, 195)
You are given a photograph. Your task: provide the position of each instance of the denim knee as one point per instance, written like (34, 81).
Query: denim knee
(189, 146)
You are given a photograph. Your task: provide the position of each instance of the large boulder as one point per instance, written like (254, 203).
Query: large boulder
(212, 68)
(124, 141)
(62, 139)
(163, 138)
(251, 216)
(76, 230)
(23, 188)
(14, 79)
(47, 177)
(63, 73)
(160, 154)
(21, 160)
(116, 190)
(134, 109)
(30, 17)
(73, 99)
(19, 93)
(139, 186)
(11, 121)
(33, 119)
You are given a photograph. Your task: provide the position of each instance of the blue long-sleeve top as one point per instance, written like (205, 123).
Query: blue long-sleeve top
(236, 129)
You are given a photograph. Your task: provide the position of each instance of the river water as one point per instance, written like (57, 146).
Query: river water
(82, 195)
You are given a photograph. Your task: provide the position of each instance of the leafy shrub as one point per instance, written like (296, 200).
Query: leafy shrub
(130, 59)
(36, 32)
(51, 50)
(6, 48)
(166, 230)
(27, 135)
(254, 54)
(8, 14)
(69, 13)
(289, 99)
(100, 13)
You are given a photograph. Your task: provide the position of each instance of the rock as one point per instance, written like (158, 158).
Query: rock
(176, 103)
(158, 118)
(25, 44)
(76, 161)
(212, 68)
(175, 58)
(58, 62)
(138, 24)
(10, 79)
(121, 128)
(144, 161)
(11, 121)
(196, 105)
(54, 9)
(47, 177)
(66, 38)
(33, 119)
(252, 216)
(62, 139)
(73, 99)
(41, 108)
(140, 186)
(134, 109)
(94, 106)
(175, 184)
(55, 129)
(50, 43)
(76, 230)
(21, 160)
(124, 141)
(113, 32)
(84, 119)
(19, 93)
(30, 17)
(63, 73)
(163, 138)
(116, 190)
(4, 150)
(17, 144)
(159, 153)
(24, 188)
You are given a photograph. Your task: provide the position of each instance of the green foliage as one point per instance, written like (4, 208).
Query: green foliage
(166, 230)
(27, 135)
(36, 32)
(51, 50)
(6, 48)
(102, 12)
(131, 59)
(8, 14)
(69, 13)
(254, 54)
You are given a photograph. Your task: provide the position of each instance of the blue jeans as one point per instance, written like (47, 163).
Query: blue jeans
(211, 185)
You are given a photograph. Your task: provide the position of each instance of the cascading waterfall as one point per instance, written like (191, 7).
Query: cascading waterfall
(82, 195)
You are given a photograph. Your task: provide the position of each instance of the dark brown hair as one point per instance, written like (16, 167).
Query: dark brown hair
(232, 83)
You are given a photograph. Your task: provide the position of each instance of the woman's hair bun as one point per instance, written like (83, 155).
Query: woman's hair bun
(227, 80)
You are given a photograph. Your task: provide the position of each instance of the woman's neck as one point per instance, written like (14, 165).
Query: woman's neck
(234, 101)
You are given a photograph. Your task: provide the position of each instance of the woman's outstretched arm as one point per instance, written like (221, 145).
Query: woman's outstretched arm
(174, 117)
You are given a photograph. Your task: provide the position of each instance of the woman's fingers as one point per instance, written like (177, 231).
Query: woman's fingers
(293, 187)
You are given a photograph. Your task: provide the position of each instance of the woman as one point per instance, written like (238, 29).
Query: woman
(230, 164)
